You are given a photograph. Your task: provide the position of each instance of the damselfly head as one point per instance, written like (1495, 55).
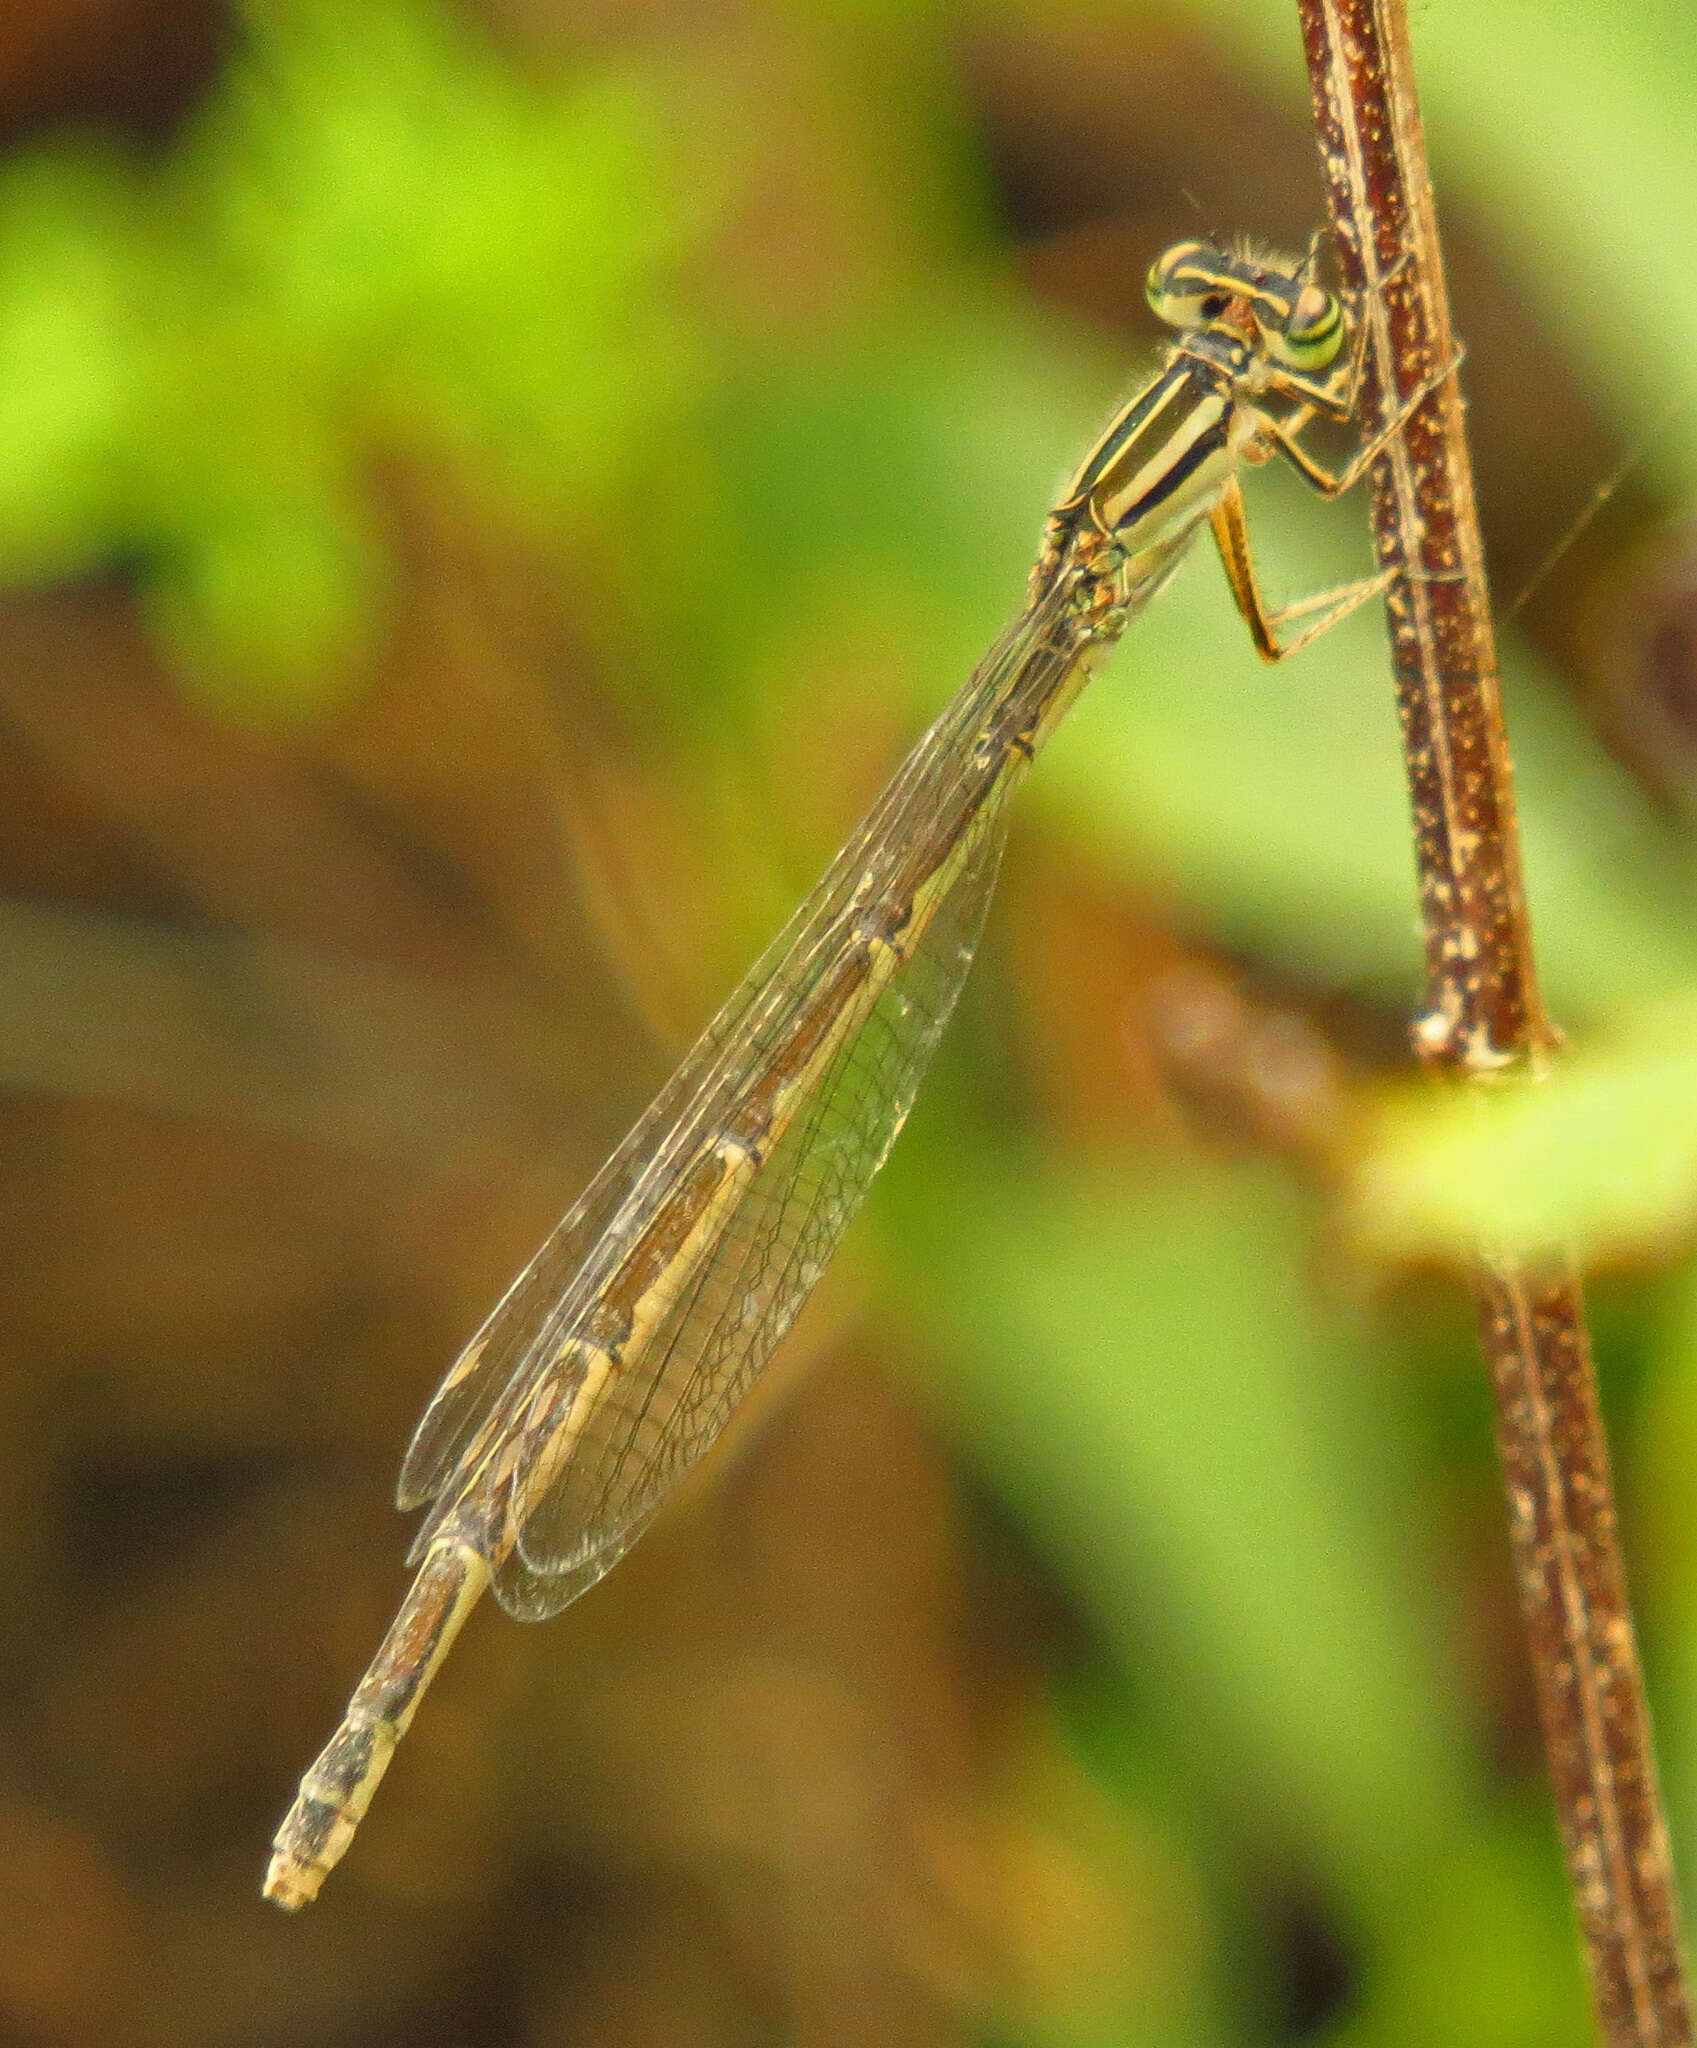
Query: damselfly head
(1300, 323)
(1270, 300)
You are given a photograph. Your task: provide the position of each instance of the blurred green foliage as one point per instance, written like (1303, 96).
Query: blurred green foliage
(393, 240)
(1601, 1155)
(203, 358)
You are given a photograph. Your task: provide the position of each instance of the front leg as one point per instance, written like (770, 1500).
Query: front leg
(1283, 436)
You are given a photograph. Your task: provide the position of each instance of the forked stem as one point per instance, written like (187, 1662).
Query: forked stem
(1483, 1013)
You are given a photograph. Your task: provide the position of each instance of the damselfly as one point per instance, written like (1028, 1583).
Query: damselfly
(619, 1353)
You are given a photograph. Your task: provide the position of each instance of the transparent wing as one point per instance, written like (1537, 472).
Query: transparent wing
(510, 1400)
(653, 1422)
(522, 1330)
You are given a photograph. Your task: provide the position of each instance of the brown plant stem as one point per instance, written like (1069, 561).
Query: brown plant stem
(1483, 1015)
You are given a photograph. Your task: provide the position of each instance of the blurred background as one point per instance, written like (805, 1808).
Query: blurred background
(487, 491)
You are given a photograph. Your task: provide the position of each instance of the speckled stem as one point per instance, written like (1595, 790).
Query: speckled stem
(1483, 1015)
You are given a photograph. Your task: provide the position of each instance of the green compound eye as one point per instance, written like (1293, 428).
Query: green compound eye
(1311, 334)
(1188, 286)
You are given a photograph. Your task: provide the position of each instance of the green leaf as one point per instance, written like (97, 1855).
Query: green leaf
(1599, 1157)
